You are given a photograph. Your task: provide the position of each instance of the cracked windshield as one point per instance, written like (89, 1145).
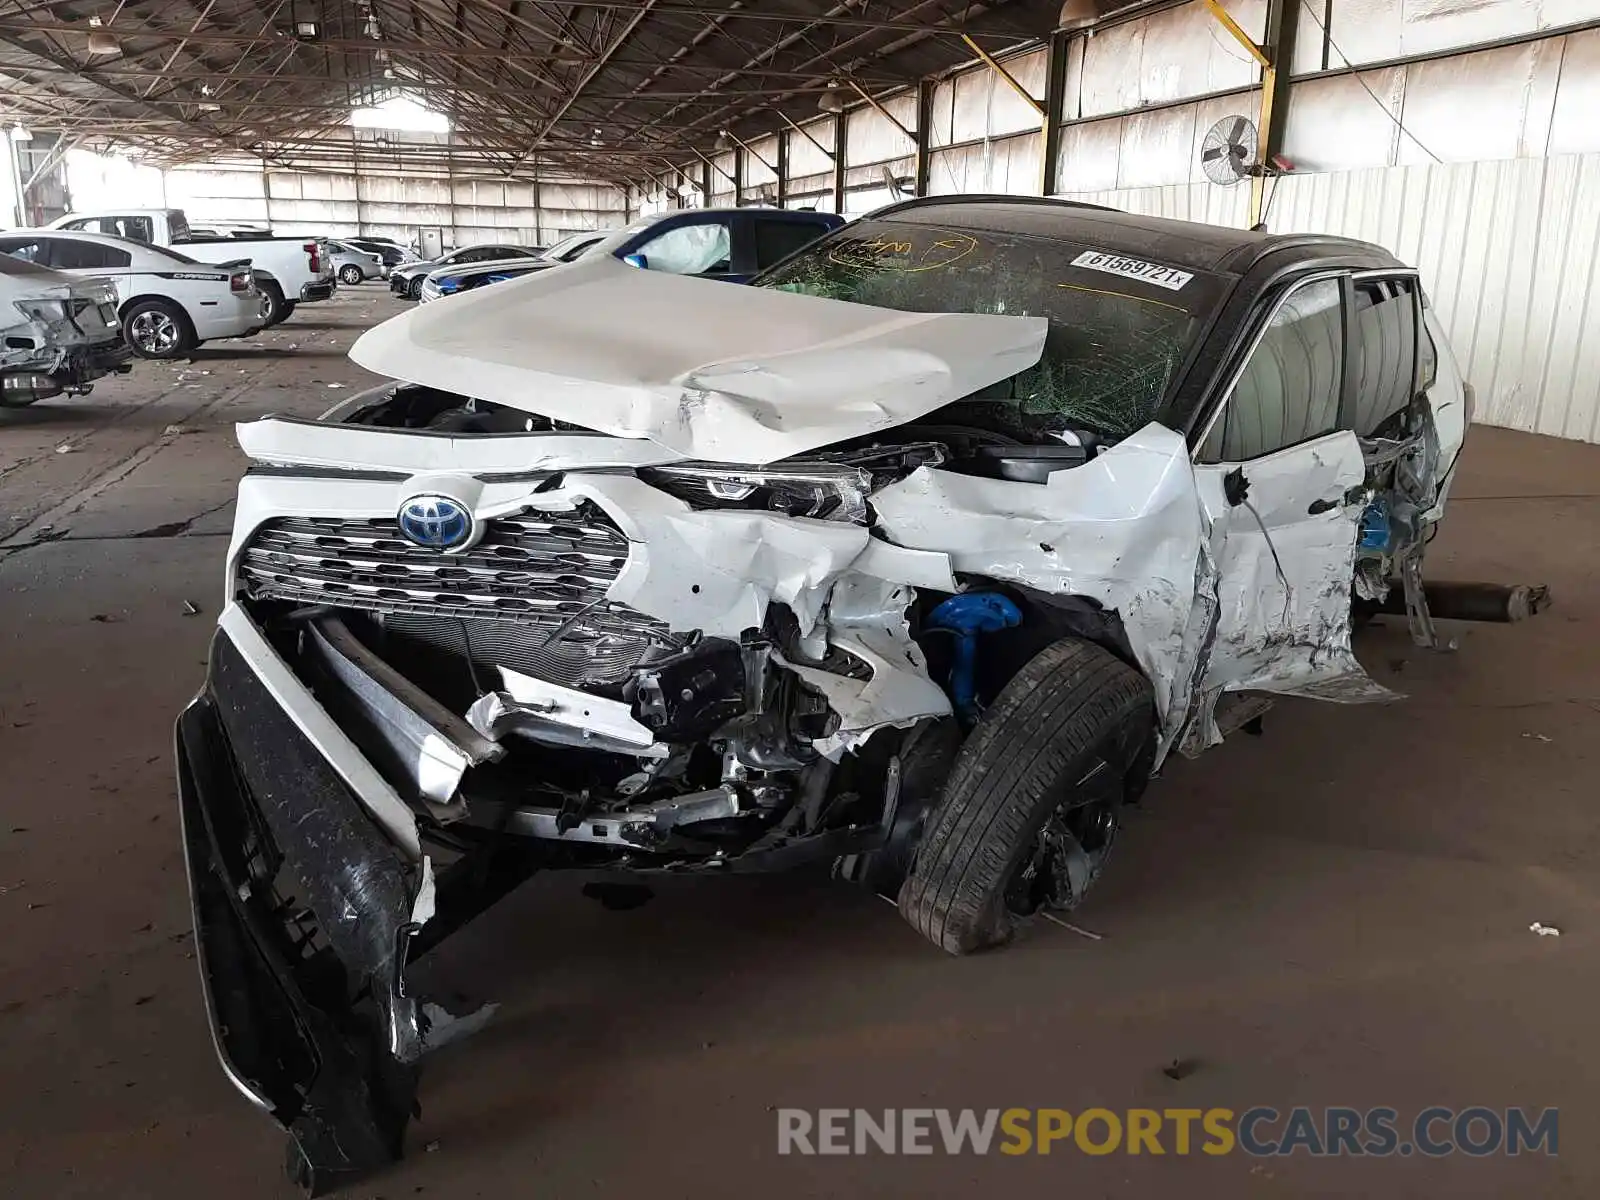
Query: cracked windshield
(1111, 351)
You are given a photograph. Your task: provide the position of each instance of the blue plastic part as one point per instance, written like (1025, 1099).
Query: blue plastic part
(967, 616)
(1375, 526)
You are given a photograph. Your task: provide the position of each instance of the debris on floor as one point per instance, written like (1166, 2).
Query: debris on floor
(1544, 930)
(1538, 737)
(191, 609)
(1180, 1068)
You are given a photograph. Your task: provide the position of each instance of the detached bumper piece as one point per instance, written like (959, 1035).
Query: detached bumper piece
(111, 358)
(303, 917)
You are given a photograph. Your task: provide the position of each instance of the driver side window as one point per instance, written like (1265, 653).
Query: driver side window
(705, 249)
(1290, 388)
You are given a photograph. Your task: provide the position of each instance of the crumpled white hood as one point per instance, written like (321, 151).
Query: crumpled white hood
(712, 370)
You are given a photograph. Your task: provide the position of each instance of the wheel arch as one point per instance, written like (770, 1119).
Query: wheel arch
(131, 302)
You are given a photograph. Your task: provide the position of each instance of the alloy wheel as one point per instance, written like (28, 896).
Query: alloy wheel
(1072, 845)
(154, 332)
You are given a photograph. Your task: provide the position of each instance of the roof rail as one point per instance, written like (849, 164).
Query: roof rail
(988, 198)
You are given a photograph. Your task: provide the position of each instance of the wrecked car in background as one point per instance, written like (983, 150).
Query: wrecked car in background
(58, 333)
(918, 557)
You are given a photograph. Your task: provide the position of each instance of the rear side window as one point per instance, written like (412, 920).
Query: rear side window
(776, 240)
(27, 249)
(140, 229)
(65, 254)
(1385, 324)
(1290, 389)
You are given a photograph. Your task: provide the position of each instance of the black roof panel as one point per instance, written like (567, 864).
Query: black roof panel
(1189, 244)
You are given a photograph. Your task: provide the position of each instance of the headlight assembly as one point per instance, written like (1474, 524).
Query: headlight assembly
(820, 491)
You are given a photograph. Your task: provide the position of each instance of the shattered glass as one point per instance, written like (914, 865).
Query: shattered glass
(1111, 353)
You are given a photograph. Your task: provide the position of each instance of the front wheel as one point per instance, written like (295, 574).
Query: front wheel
(414, 289)
(350, 274)
(1029, 814)
(157, 329)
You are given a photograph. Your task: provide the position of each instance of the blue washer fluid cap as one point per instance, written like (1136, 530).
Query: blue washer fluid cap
(1375, 532)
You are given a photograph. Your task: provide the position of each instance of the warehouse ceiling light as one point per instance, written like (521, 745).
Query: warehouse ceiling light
(400, 113)
(1077, 14)
(831, 101)
(21, 133)
(101, 42)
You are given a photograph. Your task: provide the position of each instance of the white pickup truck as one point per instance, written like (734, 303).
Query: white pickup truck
(288, 270)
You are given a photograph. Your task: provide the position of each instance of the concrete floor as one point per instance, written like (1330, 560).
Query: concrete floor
(1334, 914)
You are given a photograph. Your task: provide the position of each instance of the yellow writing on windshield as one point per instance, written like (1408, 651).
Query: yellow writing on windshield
(903, 256)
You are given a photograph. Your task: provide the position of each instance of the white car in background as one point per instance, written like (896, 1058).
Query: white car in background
(167, 302)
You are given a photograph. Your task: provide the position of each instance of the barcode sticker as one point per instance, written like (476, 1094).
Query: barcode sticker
(1133, 268)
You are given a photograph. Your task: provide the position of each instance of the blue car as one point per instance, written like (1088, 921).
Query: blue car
(731, 244)
(451, 280)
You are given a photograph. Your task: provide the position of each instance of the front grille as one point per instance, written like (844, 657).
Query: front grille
(533, 582)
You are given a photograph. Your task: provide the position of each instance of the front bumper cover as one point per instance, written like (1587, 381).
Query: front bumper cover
(302, 914)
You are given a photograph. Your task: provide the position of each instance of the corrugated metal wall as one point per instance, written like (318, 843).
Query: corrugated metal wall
(347, 205)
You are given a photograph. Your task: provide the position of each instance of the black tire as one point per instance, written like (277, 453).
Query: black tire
(414, 289)
(157, 329)
(1074, 713)
(274, 308)
(350, 275)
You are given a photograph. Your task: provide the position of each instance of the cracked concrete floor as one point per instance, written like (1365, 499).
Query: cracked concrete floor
(1333, 914)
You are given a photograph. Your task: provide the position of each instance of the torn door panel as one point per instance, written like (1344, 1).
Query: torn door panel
(1282, 530)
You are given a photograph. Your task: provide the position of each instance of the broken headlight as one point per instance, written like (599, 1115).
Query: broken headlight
(820, 491)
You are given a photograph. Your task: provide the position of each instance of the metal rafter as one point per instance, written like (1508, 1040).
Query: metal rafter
(526, 83)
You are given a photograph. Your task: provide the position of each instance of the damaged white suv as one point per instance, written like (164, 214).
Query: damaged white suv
(916, 556)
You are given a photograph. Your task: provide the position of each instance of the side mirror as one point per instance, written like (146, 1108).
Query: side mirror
(637, 260)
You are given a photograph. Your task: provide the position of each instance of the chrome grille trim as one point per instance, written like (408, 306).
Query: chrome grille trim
(527, 569)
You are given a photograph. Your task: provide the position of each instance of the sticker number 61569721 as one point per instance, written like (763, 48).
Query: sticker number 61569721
(1133, 268)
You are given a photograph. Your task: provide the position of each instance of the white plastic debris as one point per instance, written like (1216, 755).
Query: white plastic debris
(337, 386)
(175, 430)
(65, 448)
(1538, 737)
(1544, 930)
